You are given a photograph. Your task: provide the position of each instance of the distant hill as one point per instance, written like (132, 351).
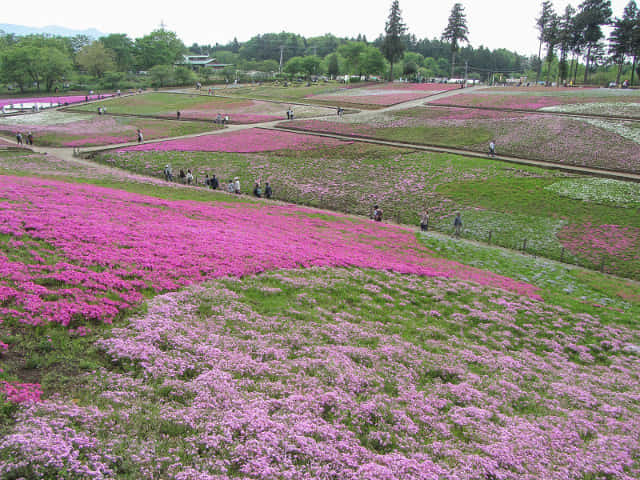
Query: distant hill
(51, 29)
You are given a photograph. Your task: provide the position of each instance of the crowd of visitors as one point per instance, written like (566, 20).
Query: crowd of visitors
(24, 139)
(233, 186)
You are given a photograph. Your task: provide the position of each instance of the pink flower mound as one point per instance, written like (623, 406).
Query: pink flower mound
(118, 243)
(595, 241)
(21, 392)
(244, 141)
(58, 100)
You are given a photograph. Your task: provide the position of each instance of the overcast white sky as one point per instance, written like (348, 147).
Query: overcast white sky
(492, 23)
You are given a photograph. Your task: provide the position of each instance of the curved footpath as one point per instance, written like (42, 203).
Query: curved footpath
(67, 152)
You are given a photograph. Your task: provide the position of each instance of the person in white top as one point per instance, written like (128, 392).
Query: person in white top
(236, 185)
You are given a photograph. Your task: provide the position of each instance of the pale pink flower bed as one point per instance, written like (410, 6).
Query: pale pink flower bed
(243, 141)
(385, 94)
(615, 243)
(60, 100)
(535, 100)
(410, 379)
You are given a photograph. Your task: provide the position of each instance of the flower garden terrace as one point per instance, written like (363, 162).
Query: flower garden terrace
(81, 252)
(593, 101)
(202, 107)
(353, 353)
(343, 374)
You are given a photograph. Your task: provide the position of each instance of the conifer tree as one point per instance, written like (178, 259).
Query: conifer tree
(593, 15)
(566, 37)
(393, 46)
(542, 24)
(456, 31)
(621, 38)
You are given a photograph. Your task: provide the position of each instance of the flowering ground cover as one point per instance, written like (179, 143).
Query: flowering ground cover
(599, 190)
(383, 94)
(502, 204)
(56, 100)
(75, 253)
(293, 92)
(600, 101)
(588, 142)
(250, 140)
(602, 235)
(60, 129)
(345, 374)
(203, 107)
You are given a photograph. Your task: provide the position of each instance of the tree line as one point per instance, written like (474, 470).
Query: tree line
(577, 34)
(574, 41)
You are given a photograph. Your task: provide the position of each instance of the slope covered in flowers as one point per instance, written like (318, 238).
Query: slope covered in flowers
(55, 128)
(345, 374)
(384, 94)
(72, 253)
(243, 141)
(585, 142)
(598, 101)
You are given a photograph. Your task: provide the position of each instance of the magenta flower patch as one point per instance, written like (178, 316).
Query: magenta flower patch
(243, 141)
(85, 241)
(57, 100)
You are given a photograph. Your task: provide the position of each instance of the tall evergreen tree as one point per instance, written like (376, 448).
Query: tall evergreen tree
(566, 38)
(593, 15)
(456, 31)
(621, 38)
(635, 44)
(393, 46)
(542, 23)
(551, 40)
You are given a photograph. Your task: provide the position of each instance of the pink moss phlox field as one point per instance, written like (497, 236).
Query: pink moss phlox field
(535, 100)
(118, 243)
(594, 242)
(243, 141)
(59, 100)
(503, 388)
(385, 94)
(21, 392)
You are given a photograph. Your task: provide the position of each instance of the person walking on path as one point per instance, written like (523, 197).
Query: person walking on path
(178, 115)
(376, 215)
(457, 224)
(267, 190)
(236, 185)
(231, 187)
(29, 138)
(140, 137)
(424, 221)
(492, 148)
(167, 173)
(189, 177)
(19, 138)
(213, 183)
(257, 191)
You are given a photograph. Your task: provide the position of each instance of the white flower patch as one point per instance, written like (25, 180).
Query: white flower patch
(627, 130)
(599, 190)
(45, 118)
(620, 109)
